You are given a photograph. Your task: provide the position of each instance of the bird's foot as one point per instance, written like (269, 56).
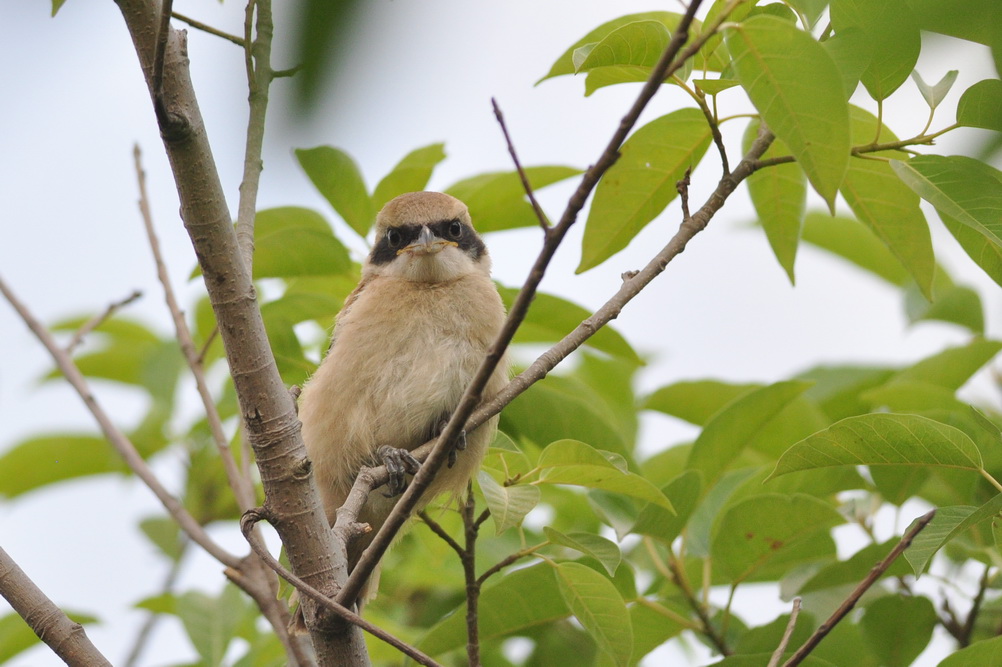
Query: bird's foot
(398, 463)
(460, 442)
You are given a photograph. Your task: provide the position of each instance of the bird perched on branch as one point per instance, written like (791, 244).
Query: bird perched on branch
(407, 342)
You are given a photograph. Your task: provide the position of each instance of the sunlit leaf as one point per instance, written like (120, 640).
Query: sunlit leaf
(598, 606)
(411, 174)
(978, 247)
(43, 460)
(293, 241)
(604, 551)
(642, 182)
(948, 523)
(898, 628)
(684, 492)
(639, 43)
(339, 180)
(798, 90)
(985, 653)
(508, 504)
(981, 105)
(17, 636)
(894, 40)
(695, 401)
(851, 51)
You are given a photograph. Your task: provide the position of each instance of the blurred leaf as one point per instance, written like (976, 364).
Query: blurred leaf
(411, 174)
(853, 241)
(504, 609)
(908, 396)
(597, 605)
(731, 429)
(714, 86)
(956, 304)
(882, 439)
(651, 628)
(604, 551)
(292, 241)
(779, 194)
(837, 388)
(963, 188)
(757, 660)
(885, 205)
(798, 90)
(933, 95)
(987, 653)
(759, 529)
(551, 317)
(573, 462)
(497, 200)
(165, 534)
(894, 40)
(948, 523)
(898, 628)
(642, 182)
(812, 9)
(851, 51)
(323, 30)
(43, 460)
(615, 510)
(978, 247)
(854, 569)
(700, 528)
(981, 105)
(957, 18)
(17, 636)
(337, 177)
(211, 623)
(683, 492)
(695, 401)
(56, 5)
(508, 504)
(952, 367)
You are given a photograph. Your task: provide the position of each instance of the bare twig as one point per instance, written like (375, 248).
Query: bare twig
(471, 397)
(66, 638)
(968, 628)
(540, 215)
(469, 560)
(857, 593)
(436, 528)
(791, 624)
(159, 55)
(683, 193)
(707, 628)
(247, 524)
(98, 320)
(241, 485)
(118, 440)
(198, 25)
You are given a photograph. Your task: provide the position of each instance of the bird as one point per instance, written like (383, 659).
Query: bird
(406, 343)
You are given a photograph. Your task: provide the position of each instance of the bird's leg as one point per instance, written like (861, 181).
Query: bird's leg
(398, 462)
(460, 441)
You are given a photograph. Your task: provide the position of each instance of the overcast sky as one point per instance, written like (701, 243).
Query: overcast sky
(416, 73)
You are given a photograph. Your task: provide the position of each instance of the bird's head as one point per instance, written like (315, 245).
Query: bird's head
(426, 237)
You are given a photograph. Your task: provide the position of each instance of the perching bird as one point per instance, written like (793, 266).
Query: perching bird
(407, 342)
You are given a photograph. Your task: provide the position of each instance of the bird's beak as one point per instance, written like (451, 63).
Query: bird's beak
(427, 244)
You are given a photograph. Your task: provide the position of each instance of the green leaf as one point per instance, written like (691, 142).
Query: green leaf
(551, 317)
(165, 534)
(695, 401)
(701, 526)
(986, 653)
(642, 182)
(684, 492)
(340, 181)
(17, 636)
(497, 200)
(411, 174)
(767, 527)
(948, 523)
(714, 86)
(981, 105)
(855, 568)
(933, 95)
(57, 5)
(574, 462)
(952, 367)
(597, 605)
(637, 44)
(851, 52)
(735, 425)
(956, 304)
(855, 242)
(565, 63)
(211, 623)
(898, 628)
(779, 194)
(885, 205)
(508, 504)
(504, 609)
(812, 9)
(43, 460)
(894, 40)
(882, 439)
(963, 188)
(292, 241)
(798, 90)
(606, 552)
(978, 247)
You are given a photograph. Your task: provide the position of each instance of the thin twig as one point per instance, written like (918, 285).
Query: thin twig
(471, 397)
(540, 215)
(98, 320)
(436, 528)
(241, 485)
(707, 628)
(863, 586)
(469, 560)
(683, 192)
(968, 628)
(66, 638)
(791, 624)
(198, 25)
(247, 524)
(119, 440)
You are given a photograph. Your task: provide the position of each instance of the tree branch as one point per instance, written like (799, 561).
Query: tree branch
(98, 320)
(471, 397)
(66, 638)
(857, 593)
(198, 25)
(540, 215)
(777, 655)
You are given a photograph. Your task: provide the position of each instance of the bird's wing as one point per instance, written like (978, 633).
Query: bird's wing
(345, 308)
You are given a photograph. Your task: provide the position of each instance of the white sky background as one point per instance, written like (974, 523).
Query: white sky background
(71, 240)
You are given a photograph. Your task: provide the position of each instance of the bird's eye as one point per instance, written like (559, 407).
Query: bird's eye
(455, 229)
(393, 237)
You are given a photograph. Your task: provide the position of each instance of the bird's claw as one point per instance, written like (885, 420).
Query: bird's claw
(398, 462)
(460, 445)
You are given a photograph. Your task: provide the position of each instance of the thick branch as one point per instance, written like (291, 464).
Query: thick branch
(66, 638)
